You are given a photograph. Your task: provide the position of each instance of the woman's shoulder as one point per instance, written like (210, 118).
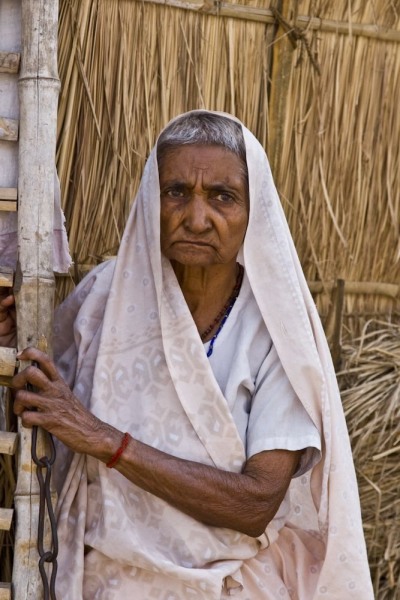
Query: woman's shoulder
(86, 302)
(96, 282)
(79, 317)
(99, 275)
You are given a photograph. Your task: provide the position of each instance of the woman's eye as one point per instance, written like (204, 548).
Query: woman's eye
(224, 197)
(174, 193)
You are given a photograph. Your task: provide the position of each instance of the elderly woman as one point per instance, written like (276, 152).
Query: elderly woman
(209, 451)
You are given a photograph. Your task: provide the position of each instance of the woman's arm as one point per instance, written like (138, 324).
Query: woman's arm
(245, 501)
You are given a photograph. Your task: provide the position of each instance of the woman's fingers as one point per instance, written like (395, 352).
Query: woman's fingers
(36, 409)
(50, 400)
(49, 388)
(26, 400)
(47, 367)
(51, 404)
(54, 407)
(7, 315)
(6, 302)
(33, 376)
(7, 307)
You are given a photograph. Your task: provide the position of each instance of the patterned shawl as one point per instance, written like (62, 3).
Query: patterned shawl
(127, 344)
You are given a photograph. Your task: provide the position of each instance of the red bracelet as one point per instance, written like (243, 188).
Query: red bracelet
(115, 458)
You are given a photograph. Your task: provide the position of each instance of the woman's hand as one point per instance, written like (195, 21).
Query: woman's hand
(53, 406)
(7, 318)
(245, 501)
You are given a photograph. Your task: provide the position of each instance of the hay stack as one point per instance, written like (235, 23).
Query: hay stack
(370, 383)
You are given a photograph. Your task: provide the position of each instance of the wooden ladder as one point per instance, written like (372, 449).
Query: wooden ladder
(9, 63)
(8, 446)
(32, 197)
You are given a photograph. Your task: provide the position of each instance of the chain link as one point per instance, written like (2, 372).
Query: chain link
(43, 471)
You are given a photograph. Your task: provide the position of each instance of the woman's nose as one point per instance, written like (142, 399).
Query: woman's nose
(197, 217)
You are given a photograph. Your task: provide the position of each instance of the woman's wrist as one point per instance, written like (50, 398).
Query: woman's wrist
(104, 441)
(114, 460)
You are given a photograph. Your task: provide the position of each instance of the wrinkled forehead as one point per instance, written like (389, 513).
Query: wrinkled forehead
(202, 158)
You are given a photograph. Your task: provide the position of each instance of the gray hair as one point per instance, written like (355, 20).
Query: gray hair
(203, 128)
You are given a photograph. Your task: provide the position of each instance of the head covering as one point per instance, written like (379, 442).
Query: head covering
(135, 358)
(9, 236)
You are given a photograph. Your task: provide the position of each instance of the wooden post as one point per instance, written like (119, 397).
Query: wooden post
(334, 321)
(8, 199)
(34, 282)
(282, 57)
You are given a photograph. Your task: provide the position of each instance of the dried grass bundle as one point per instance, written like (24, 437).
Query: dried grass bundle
(370, 383)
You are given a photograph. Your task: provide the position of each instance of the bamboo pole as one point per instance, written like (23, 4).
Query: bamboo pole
(8, 199)
(8, 442)
(266, 15)
(8, 129)
(34, 283)
(6, 515)
(6, 277)
(8, 193)
(391, 290)
(282, 57)
(7, 361)
(9, 62)
(5, 591)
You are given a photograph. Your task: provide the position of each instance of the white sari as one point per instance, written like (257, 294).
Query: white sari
(128, 346)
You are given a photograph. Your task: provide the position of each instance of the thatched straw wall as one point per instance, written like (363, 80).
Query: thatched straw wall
(317, 82)
(125, 75)
(340, 147)
(323, 103)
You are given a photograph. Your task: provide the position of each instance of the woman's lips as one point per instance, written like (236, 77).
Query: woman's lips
(193, 243)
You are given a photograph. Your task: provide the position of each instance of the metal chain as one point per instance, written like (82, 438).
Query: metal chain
(44, 464)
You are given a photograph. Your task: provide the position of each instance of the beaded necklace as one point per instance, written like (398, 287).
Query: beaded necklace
(224, 313)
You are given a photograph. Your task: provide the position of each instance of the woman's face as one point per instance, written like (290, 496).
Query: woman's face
(204, 205)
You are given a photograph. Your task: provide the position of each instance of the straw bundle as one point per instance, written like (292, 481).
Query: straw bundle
(370, 385)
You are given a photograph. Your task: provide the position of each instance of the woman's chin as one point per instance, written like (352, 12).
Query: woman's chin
(198, 256)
